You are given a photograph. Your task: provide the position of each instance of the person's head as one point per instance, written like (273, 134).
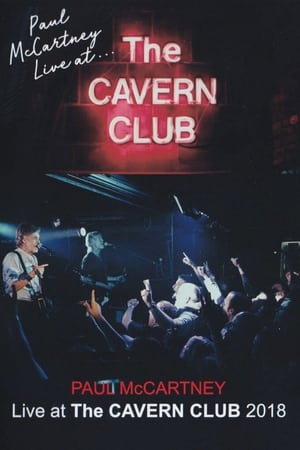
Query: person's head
(166, 307)
(94, 241)
(146, 350)
(199, 355)
(28, 237)
(200, 345)
(182, 278)
(188, 294)
(234, 303)
(279, 291)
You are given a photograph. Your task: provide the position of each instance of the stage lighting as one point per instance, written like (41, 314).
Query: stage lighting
(82, 232)
(178, 204)
(115, 187)
(195, 213)
(56, 222)
(8, 230)
(190, 211)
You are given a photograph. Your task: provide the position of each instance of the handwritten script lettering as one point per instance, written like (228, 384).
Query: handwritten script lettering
(42, 45)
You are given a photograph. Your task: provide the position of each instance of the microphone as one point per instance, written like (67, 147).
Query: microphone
(46, 249)
(108, 244)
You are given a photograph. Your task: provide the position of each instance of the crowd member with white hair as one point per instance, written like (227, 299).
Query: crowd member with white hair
(189, 320)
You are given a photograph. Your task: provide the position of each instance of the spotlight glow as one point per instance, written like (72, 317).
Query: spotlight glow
(8, 230)
(82, 232)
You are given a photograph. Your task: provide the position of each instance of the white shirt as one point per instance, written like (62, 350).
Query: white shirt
(12, 271)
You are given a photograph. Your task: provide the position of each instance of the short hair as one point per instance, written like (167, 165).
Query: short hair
(192, 290)
(239, 301)
(91, 235)
(277, 287)
(188, 291)
(25, 229)
(188, 278)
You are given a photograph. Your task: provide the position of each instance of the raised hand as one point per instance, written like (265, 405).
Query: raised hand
(187, 260)
(132, 303)
(235, 261)
(201, 271)
(93, 308)
(146, 297)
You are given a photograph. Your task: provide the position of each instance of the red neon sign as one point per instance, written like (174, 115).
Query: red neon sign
(166, 87)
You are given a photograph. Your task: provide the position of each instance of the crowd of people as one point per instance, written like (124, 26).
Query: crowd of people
(205, 330)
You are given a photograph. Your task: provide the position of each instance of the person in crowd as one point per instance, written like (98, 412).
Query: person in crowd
(235, 340)
(200, 358)
(188, 304)
(230, 339)
(181, 278)
(188, 320)
(140, 343)
(132, 327)
(281, 293)
(206, 279)
(249, 290)
(292, 280)
(135, 328)
(264, 302)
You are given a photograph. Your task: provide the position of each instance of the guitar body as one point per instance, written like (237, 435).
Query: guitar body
(89, 281)
(44, 307)
(93, 275)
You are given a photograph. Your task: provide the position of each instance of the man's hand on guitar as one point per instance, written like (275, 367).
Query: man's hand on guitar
(121, 278)
(118, 279)
(86, 280)
(39, 270)
(91, 282)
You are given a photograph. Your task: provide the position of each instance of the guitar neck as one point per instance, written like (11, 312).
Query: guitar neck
(102, 285)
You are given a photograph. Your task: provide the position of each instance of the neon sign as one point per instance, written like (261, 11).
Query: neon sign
(152, 109)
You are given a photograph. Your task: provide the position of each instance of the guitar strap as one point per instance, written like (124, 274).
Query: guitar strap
(37, 298)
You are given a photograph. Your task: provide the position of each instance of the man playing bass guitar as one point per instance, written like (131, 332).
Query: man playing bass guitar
(95, 270)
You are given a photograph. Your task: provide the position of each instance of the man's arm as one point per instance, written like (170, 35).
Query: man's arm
(160, 316)
(14, 276)
(247, 286)
(206, 278)
(114, 340)
(127, 316)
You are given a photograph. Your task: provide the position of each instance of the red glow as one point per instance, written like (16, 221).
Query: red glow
(156, 91)
(294, 119)
(142, 50)
(145, 107)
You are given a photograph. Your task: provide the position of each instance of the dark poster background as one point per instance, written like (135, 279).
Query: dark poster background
(245, 179)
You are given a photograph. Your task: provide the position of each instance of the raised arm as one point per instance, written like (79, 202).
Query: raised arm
(247, 286)
(14, 277)
(127, 316)
(160, 316)
(115, 341)
(206, 278)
